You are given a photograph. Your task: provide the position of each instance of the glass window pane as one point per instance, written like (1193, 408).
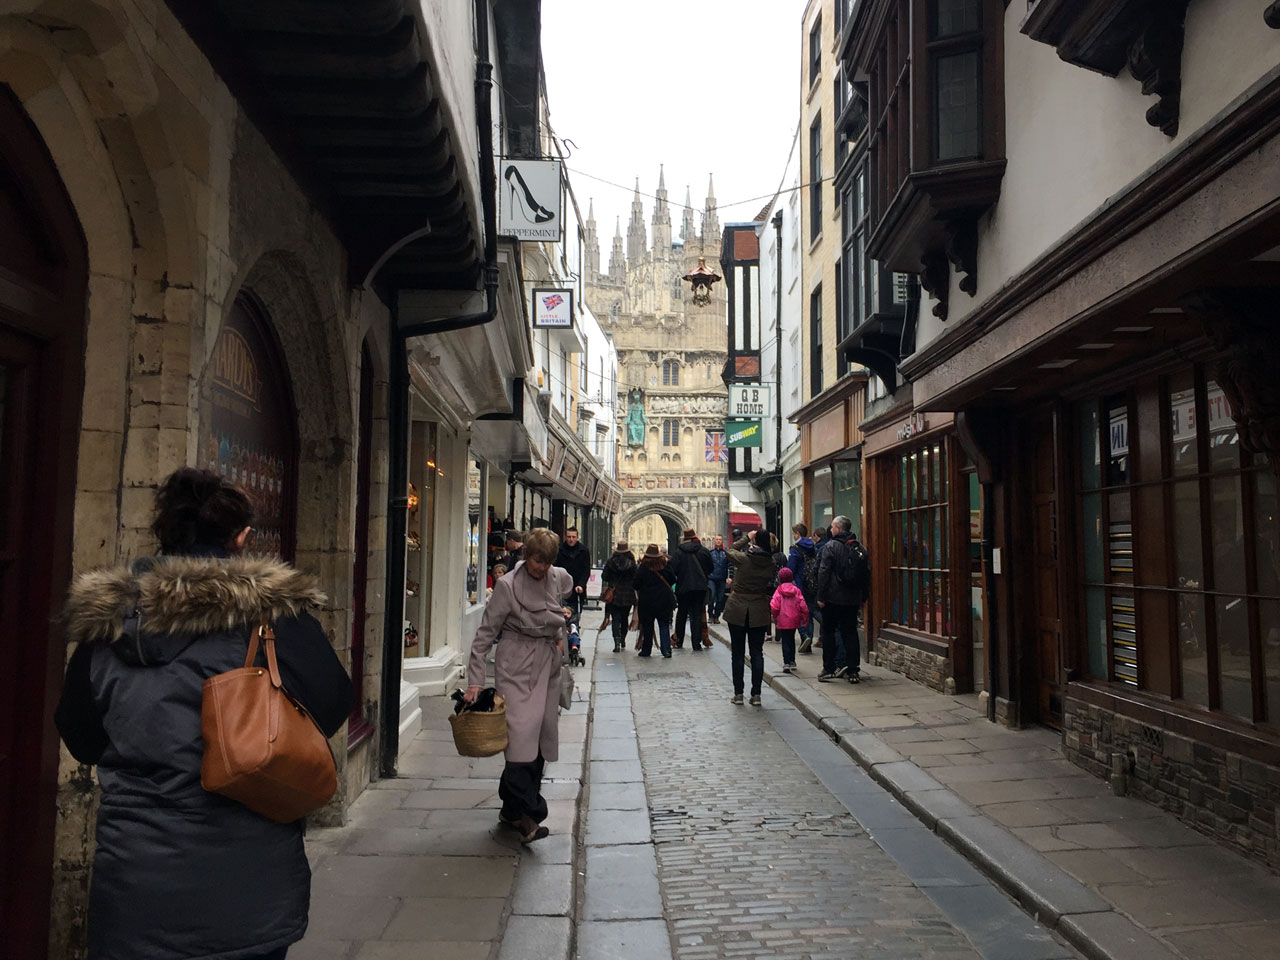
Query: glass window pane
(1184, 447)
(1234, 677)
(1224, 441)
(1095, 616)
(938, 493)
(1090, 467)
(957, 106)
(1124, 639)
(1091, 524)
(1193, 649)
(1266, 533)
(1188, 559)
(1120, 537)
(475, 484)
(1228, 535)
(1118, 441)
(953, 17)
(1269, 622)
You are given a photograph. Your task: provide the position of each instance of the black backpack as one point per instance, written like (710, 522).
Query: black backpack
(809, 574)
(854, 567)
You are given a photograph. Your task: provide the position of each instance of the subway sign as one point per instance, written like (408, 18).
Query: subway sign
(741, 433)
(749, 401)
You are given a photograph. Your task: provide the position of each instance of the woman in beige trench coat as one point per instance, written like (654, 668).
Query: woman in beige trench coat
(527, 611)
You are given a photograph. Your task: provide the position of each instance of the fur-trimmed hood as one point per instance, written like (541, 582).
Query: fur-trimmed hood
(186, 597)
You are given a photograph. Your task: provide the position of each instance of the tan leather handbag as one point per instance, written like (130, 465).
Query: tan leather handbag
(261, 747)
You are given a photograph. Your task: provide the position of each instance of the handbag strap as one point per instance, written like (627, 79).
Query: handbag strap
(268, 636)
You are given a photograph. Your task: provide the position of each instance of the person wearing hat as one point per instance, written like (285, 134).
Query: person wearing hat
(654, 601)
(618, 577)
(747, 612)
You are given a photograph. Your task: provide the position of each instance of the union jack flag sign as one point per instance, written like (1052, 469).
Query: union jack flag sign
(552, 301)
(717, 450)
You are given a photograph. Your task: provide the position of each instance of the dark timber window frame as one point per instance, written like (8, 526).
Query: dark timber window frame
(815, 341)
(1171, 603)
(815, 51)
(815, 178)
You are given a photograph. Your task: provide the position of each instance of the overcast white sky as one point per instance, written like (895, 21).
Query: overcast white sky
(702, 87)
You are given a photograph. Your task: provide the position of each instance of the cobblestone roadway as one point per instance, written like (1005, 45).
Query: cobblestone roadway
(756, 858)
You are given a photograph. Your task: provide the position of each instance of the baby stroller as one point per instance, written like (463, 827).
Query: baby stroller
(575, 645)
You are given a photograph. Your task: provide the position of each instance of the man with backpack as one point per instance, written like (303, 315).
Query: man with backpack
(844, 582)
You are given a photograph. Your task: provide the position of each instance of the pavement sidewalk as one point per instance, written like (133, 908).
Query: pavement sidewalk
(1118, 878)
(422, 868)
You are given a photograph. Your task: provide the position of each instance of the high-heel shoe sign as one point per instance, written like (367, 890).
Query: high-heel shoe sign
(529, 205)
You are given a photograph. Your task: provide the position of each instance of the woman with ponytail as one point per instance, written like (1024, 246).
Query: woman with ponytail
(180, 872)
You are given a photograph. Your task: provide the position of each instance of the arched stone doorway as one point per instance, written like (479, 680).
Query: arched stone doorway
(674, 521)
(44, 269)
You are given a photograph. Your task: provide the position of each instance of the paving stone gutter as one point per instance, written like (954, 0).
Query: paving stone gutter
(1047, 892)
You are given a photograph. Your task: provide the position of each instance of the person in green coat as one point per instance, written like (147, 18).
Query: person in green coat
(747, 611)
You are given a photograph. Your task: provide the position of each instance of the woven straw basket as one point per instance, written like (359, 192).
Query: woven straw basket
(480, 734)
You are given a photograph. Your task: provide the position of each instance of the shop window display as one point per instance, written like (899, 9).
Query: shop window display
(476, 545)
(1212, 612)
(919, 541)
(425, 476)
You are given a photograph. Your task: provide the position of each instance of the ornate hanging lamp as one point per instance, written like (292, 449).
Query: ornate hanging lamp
(702, 277)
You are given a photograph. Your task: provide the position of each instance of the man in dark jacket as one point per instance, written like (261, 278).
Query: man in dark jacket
(576, 558)
(515, 549)
(717, 577)
(802, 561)
(692, 562)
(844, 580)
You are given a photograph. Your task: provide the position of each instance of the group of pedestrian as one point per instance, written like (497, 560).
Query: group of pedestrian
(646, 594)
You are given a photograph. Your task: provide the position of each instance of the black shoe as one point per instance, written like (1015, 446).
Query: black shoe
(530, 830)
(825, 677)
(854, 678)
(508, 821)
(842, 672)
(666, 656)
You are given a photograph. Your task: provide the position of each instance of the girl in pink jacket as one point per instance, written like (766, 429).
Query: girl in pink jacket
(789, 612)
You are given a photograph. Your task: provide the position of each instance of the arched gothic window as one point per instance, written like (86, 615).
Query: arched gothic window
(671, 433)
(671, 373)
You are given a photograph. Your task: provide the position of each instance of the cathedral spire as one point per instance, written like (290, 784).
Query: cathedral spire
(710, 219)
(688, 229)
(661, 218)
(617, 260)
(637, 239)
(590, 242)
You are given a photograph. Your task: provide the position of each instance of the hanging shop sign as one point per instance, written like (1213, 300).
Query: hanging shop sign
(552, 309)
(744, 433)
(530, 200)
(749, 401)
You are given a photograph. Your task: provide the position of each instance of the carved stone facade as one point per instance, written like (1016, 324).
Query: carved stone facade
(670, 356)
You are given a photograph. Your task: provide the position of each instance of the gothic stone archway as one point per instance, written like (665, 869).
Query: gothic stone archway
(673, 518)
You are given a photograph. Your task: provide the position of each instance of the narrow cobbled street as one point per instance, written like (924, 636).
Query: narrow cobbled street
(740, 831)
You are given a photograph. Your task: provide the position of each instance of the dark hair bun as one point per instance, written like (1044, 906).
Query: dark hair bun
(199, 508)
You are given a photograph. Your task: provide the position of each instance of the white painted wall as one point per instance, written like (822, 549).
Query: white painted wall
(1075, 138)
(785, 373)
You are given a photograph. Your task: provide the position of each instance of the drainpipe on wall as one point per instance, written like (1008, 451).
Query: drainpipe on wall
(777, 357)
(398, 410)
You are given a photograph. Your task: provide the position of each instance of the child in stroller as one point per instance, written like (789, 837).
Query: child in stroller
(575, 643)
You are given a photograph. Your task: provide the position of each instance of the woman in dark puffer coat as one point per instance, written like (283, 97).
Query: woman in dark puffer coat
(179, 872)
(620, 573)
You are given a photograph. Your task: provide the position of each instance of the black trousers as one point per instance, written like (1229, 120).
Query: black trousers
(842, 617)
(690, 605)
(520, 790)
(740, 639)
(621, 617)
(273, 955)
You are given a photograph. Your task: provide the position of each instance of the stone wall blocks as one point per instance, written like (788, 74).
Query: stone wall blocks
(141, 454)
(97, 521)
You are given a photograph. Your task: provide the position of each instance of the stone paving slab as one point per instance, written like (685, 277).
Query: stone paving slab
(1112, 872)
(423, 869)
